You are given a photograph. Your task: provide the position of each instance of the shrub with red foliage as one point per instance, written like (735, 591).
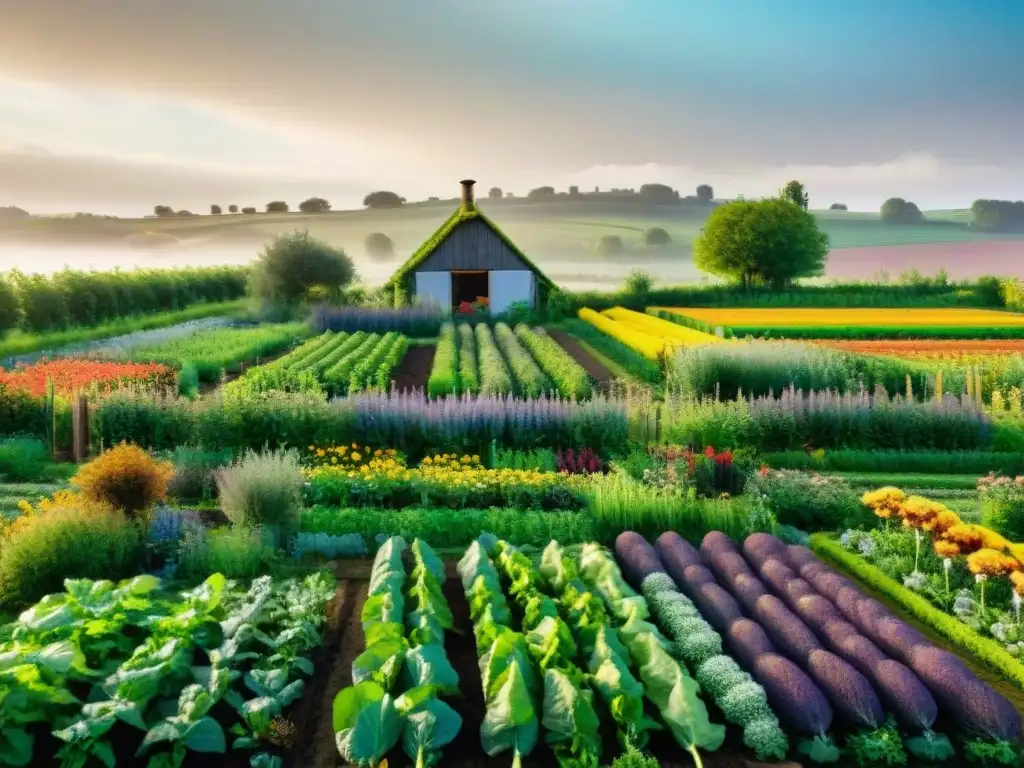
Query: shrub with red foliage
(583, 462)
(711, 472)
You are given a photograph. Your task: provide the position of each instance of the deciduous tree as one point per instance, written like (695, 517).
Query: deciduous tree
(796, 193)
(295, 265)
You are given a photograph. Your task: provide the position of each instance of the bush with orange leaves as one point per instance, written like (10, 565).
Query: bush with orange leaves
(126, 477)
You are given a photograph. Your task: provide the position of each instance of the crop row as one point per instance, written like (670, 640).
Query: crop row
(398, 681)
(160, 667)
(525, 362)
(816, 646)
(211, 352)
(332, 363)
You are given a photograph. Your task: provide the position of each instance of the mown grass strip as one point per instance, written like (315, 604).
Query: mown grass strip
(908, 480)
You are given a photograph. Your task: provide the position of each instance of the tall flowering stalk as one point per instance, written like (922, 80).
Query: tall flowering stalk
(988, 563)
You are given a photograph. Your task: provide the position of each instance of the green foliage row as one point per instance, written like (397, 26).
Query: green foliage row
(912, 480)
(469, 377)
(212, 352)
(72, 298)
(530, 380)
(365, 374)
(569, 376)
(444, 372)
(392, 359)
(338, 376)
(494, 375)
(977, 463)
(829, 420)
(758, 367)
(21, 343)
(23, 460)
(950, 627)
(637, 365)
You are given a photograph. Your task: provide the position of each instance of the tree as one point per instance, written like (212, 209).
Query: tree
(997, 215)
(314, 205)
(383, 199)
(838, 207)
(638, 285)
(378, 244)
(795, 192)
(249, 210)
(658, 194)
(495, 193)
(540, 193)
(509, 195)
(656, 237)
(705, 193)
(10, 313)
(574, 191)
(215, 210)
(896, 210)
(184, 213)
(610, 244)
(761, 242)
(163, 210)
(294, 265)
(277, 206)
(232, 209)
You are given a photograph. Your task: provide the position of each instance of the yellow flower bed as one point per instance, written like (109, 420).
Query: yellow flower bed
(863, 316)
(662, 329)
(647, 345)
(354, 457)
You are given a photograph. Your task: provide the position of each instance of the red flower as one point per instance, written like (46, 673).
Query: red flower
(709, 452)
(70, 375)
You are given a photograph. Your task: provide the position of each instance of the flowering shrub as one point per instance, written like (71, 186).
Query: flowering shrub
(450, 480)
(1002, 505)
(584, 462)
(125, 477)
(809, 501)
(709, 472)
(353, 457)
(71, 375)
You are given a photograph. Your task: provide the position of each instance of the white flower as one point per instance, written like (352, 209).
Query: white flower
(947, 563)
(981, 577)
(998, 631)
(915, 581)
(844, 540)
(866, 547)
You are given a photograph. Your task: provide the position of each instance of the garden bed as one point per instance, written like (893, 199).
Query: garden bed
(414, 370)
(594, 368)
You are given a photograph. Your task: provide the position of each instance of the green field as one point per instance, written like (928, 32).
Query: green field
(561, 236)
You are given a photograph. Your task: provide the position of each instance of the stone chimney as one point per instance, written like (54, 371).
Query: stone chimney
(467, 194)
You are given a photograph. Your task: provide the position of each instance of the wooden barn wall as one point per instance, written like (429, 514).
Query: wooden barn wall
(472, 245)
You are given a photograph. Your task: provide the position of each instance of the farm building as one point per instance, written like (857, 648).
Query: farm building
(466, 259)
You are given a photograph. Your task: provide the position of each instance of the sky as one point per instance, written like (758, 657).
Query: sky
(114, 106)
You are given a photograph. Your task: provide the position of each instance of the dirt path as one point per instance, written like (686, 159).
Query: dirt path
(597, 372)
(414, 369)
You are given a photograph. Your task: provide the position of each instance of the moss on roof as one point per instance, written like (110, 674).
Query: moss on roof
(462, 214)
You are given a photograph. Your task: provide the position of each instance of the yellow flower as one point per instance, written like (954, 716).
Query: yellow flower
(989, 562)
(356, 456)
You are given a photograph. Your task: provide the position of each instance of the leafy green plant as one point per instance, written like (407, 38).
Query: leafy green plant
(444, 372)
(23, 459)
(236, 552)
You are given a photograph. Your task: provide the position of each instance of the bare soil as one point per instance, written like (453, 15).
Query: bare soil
(597, 372)
(414, 370)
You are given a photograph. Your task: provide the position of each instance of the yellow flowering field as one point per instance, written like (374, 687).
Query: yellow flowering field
(647, 345)
(862, 316)
(669, 332)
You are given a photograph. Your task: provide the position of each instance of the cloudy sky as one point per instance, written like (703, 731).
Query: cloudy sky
(116, 105)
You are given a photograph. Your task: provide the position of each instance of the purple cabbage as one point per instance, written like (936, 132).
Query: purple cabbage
(816, 612)
(676, 554)
(974, 706)
(748, 589)
(728, 565)
(760, 547)
(785, 628)
(636, 557)
(904, 694)
(849, 691)
(793, 696)
(748, 641)
(776, 575)
(860, 652)
(718, 607)
(714, 543)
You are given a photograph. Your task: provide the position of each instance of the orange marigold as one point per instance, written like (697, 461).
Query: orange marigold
(989, 562)
(964, 536)
(942, 522)
(945, 548)
(919, 512)
(884, 502)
